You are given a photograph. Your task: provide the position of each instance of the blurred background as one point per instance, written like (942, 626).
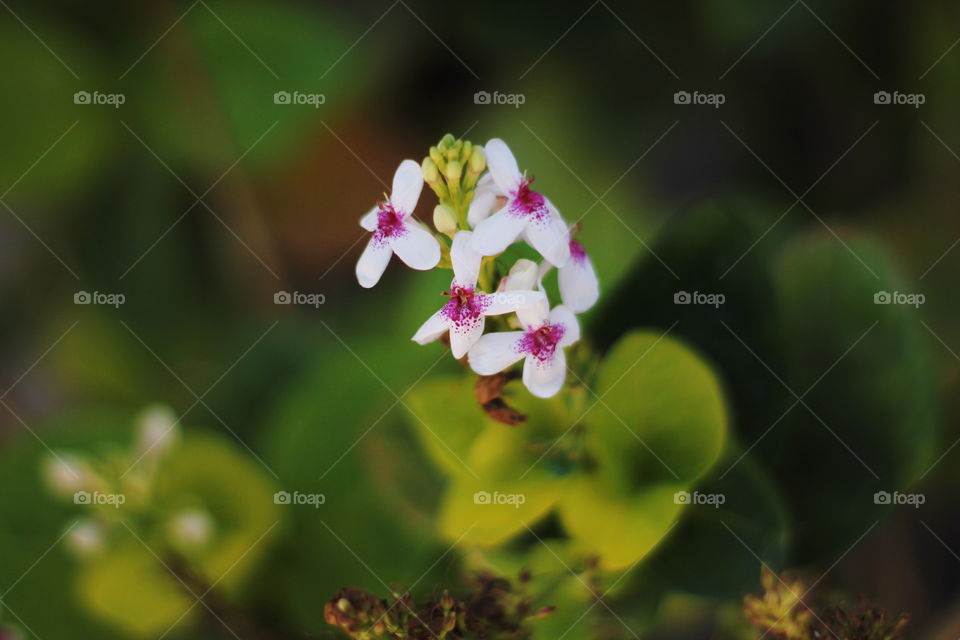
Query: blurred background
(198, 158)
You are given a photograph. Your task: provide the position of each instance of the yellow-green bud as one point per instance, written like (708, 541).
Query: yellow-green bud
(454, 171)
(478, 161)
(445, 220)
(437, 156)
(465, 151)
(447, 141)
(430, 172)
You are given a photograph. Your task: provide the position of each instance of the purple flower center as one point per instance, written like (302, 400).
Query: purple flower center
(577, 253)
(527, 203)
(465, 306)
(542, 343)
(389, 223)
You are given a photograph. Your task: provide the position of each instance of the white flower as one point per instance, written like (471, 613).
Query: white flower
(579, 287)
(463, 316)
(396, 231)
(526, 213)
(541, 343)
(524, 274)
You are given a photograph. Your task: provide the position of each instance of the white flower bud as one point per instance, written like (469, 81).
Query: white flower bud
(86, 538)
(157, 431)
(191, 529)
(67, 473)
(523, 276)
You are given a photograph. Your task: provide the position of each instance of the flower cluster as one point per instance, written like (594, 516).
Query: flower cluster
(487, 204)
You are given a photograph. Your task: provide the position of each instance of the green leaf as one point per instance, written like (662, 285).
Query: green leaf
(660, 415)
(131, 590)
(620, 529)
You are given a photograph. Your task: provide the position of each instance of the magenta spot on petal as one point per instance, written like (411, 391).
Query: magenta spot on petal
(527, 203)
(465, 307)
(541, 343)
(390, 224)
(577, 253)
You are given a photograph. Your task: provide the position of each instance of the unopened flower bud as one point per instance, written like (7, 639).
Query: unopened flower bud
(478, 161)
(445, 220)
(454, 171)
(523, 276)
(465, 152)
(344, 605)
(447, 141)
(85, 538)
(431, 175)
(158, 431)
(67, 473)
(191, 529)
(438, 158)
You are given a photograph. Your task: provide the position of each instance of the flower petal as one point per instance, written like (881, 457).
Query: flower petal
(435, 326)
(497, 232)
(535, 315)
(510, 301)
(563, 315)
(545, 378)
(369, 219)
(465, 259)
(502, 165)
(407, 184)
(523, 275)
(495, 352)
(550, 237)
(579, 287)
(417, 247)
(373, 261)
(464, 335)
(483, 204)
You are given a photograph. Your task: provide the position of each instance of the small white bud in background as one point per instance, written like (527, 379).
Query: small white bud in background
(445, 220)
(157, 431)
(523, 276)
(85, 538)
(191, 529)
(66, 473)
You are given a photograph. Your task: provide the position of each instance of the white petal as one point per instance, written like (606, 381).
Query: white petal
(510, 301)
(372, 263)
(495, 352)
(503, 166)
(369, 219)
(545, 379)
(497, 232)
(465, 335)
(465, 259)
(579, 286)
(417, 247)
(435, 326)
(535, 315)
(483, 204)
(563, 315)
(407, 184)
(551, 238)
